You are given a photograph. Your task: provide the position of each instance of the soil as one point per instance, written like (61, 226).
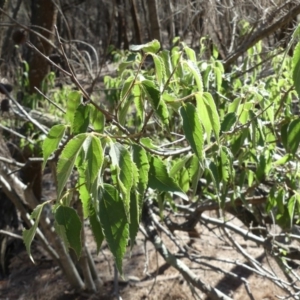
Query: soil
(146, 276)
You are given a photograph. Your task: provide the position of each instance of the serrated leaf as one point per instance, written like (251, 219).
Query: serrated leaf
(84, 195)
(152, 93)
(93, 156)
(74, 99)
(96, 228)
(68, 218)
(225, 163)
(291, 209)
(114, 223)
(293, 136)
(121, 160)
(135, 215)
(67, 160)
(218, 78)
(179, 165)
(212, 113)
(190, 53)
(160, 180)
(81, 119)
(97, 119)
(296, 68)
(160, 71)
(183, 180)
(162, 112)
(284, 135)
(52, 141)
(151, 47)
(138, 102)
(228, 121)
(61, 232)
(139, 157)
(165, 55)
(147, 142)
(28, 234)
(196, 73)
(192, 128)
(123, 110)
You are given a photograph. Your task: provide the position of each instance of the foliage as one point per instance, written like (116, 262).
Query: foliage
(178, 121)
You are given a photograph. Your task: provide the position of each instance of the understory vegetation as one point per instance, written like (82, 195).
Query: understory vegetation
(174, 133)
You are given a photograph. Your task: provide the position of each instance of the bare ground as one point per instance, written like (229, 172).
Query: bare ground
(147, 276)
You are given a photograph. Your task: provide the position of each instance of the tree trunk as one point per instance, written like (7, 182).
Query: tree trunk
(4, 6)
(136, 23)
(43, 16)
(154, 20)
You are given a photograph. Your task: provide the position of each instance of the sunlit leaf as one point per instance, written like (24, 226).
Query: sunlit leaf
(81, 119)
(123, 165)
(74, 100)
(67, 160)
(52, 141)
(28, 234)
(151, 47)
(293, 136)
(192, 128)
(160, 180)
(296, 68)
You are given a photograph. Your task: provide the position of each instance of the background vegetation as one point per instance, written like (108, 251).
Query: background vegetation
(149, 116)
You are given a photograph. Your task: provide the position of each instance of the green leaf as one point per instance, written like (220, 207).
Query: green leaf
(291, 208)
(218, 78)
(114, 223)
(293, 136)
(195, 71)
(140, 158)
(184, 180)
(61, 232)
(121, 161)
(160, 180)
(67, 160)
(284, 135)
(74, 99)
(195, 172)
(151, 47)
(190, 53)
(138, 102)
(97, 119)
(165, 55)
(228, 121)
(162, 112)
(156, 101)
(68, 218)
(52, 141)
(123, 110)
(28, 234)
(192, 128)
(93, 157)
(160, 71)
(296, 68)
(212, 113)
(81, 119)
(152, 93)
(84, 194)
(135, 215)
(179, 165)
(96, 228)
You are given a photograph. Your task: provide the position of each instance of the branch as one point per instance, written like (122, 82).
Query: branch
(262, 32)
(188, 275)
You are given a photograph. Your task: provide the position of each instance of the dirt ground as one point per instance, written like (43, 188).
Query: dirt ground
(146, 276)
